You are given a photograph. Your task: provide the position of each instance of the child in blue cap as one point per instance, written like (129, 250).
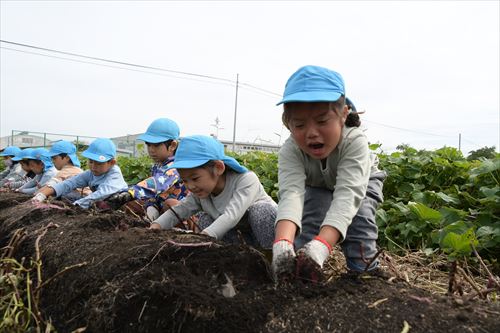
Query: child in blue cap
(165, 185)
(329, 183)
(104, 177)
(10, 166)
(21, 174)
(230, 197)
(43, 168)
(63, 156)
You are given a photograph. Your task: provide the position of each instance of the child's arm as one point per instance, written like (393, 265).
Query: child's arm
(246, 189)
(184, 209)
(291, 183)
(44, 193)
(112, 183)
(353, 173)
(30, 186)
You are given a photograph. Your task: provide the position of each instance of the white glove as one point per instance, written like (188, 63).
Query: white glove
(184, 231)
(152, 213)
(317, 251)
(39, 197)
(283, 258)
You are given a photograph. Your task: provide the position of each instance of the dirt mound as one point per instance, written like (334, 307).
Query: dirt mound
(107, 273)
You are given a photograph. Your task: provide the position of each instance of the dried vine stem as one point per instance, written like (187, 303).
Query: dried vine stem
(468, 279)
(39, 287)
(491, 276)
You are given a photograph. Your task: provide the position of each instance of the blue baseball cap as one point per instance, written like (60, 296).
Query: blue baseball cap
(350, 105)
(196, 150)
(10, 151)
(313, 84)
(64, 147)
(41, 154)
(100, 150)
(161, 130)
(24, 154)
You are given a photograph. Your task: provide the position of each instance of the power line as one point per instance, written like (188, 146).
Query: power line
(228, 82)
(117, 62)
(116, 67)
(260, 89)
(407, 129)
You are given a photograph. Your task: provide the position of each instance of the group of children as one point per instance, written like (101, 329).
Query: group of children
(329, 183)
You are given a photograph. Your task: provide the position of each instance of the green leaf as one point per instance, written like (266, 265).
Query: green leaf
(486, 167)
(490, 192)
(459, 244)
(424, 212)
(447, 198)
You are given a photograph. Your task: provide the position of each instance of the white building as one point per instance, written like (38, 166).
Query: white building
(24, 140)
(130, 144)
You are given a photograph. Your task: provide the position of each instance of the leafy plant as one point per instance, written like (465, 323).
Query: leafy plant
(438, 199)
(135, 169)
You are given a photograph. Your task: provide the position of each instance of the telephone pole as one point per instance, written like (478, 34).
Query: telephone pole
(235, 112)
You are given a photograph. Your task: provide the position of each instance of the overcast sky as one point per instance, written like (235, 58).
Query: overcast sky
(424, 71)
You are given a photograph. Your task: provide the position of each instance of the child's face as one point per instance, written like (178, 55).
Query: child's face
(36, 167)
(7, 161)
(60, 162)
(25, 166)
(316, 128)
(100, 168)
(158, 152)
(202, 182)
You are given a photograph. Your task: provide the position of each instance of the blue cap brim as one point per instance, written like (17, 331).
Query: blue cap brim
(74, 159)
(311, 96)
(233, 164)
(95, 157)
(189, 164)
(153, 138)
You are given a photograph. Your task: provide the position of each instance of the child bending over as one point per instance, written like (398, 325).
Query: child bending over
(104, 177)
(329, 183)
(43, 169)
(231, 198)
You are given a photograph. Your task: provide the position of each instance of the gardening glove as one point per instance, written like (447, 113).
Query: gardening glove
(310, 259)
(152, 213)
(39, 197)
(120, 198)
(184, 231)
(283, 259)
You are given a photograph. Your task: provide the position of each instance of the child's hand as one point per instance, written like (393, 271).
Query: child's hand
(310, 260)
(155, 226)
(283, 259)
(39, 197)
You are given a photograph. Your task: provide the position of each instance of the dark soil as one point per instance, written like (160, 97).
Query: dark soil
(131, 279)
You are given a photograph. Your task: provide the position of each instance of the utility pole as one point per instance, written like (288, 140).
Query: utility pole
(235, 112)
(459, 141)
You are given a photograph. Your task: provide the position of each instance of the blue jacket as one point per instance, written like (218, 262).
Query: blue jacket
(102, 186)
(38, 182)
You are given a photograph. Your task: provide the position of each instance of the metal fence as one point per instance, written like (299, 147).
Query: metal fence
(127, 145)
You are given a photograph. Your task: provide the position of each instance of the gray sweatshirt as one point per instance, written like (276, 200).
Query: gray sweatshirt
(240, 192)
(347, 172)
